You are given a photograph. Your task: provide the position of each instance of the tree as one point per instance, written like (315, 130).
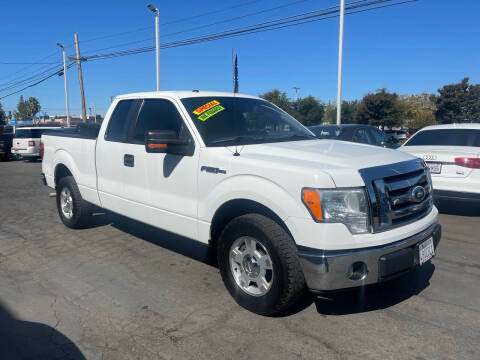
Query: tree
(458, 102)
(380, 109)
(278, 98)
(419, 111)
(349, 112)
(3, 117)
(32, 107)
(21, 113)
(309, 111)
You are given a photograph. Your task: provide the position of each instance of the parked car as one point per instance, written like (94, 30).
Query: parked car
(281, 209)
(365, 134)
(26, 142)
(401, 135)
(452, 153)
(6, 137)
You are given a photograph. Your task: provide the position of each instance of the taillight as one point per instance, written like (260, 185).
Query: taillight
(31, 142)
(472, 163)
(42, 149)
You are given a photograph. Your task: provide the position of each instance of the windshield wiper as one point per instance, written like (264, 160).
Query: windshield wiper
(236, 139)
(297, 136)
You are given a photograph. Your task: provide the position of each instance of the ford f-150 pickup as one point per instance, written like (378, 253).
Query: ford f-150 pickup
(283, 210)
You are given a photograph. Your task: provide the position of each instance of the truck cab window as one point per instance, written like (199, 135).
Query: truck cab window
(124, 114)
(157, 114)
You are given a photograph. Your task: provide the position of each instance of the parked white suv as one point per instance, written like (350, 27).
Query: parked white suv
(282, 209)
(452, 152)
(26, 142)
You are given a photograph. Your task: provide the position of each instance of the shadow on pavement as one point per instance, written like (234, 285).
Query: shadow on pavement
(376, 297)
(28, 340)
(460, 208)
(364, 299)
(179, 244)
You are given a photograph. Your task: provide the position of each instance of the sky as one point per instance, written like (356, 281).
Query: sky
(411, 48)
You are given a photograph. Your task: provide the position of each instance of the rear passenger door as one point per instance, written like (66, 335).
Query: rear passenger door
(120, 182)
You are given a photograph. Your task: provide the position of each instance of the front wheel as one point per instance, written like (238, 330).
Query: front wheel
(259, 264)
(73, 210)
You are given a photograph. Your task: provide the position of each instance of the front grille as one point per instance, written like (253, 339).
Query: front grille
(399, 193)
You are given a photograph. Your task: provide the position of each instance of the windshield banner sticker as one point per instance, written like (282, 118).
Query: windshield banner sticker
(205, 107)
(208, 110)
(209, 113)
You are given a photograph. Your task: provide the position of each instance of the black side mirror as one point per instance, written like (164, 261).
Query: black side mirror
(168, 142)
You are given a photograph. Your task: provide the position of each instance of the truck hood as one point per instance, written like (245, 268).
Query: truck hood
(339, 159)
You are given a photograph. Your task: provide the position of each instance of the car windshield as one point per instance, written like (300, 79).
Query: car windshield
(224, 121)
(446, 137)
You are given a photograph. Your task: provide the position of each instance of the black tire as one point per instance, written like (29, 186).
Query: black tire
(81, 210)
(288, 282)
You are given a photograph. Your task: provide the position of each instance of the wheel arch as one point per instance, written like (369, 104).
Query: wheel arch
(238, 207)
(61, 171)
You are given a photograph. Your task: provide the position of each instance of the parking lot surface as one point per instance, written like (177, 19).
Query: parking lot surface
(124, 290)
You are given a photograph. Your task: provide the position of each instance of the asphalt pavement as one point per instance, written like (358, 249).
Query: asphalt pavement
(125, 290)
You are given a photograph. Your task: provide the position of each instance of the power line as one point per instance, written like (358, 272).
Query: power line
(25, 63)
(204, 26)
(38, 82)
(318, 15)
(294, 20)
(171, 22)
(19, 83)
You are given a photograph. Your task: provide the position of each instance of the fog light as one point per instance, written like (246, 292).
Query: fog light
(357, 271)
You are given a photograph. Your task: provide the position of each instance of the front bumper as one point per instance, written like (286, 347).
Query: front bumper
(327, 270)
(455, 195)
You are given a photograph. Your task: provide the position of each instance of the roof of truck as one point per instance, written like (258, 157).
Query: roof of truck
(180, 94)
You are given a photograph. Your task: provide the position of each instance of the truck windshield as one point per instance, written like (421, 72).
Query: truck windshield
(224, 121)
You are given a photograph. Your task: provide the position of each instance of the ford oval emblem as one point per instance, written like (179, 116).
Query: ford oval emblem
(417, 194)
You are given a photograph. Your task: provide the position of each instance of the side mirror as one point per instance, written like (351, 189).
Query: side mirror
(167, 142)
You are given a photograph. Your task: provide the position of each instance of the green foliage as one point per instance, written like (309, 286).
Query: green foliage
(419, 111)
(278, 98)
(349, 112)
(26, 110)
(309, 111)
(3, 117)
(458, 102)
(21, 113)
(380, 109)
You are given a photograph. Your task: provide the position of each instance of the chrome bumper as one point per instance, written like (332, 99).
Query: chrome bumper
(327, 270)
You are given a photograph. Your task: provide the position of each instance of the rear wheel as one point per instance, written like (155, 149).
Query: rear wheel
(259, 264)
(73, 210)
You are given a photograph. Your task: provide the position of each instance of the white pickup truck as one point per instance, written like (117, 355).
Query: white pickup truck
(283, 210)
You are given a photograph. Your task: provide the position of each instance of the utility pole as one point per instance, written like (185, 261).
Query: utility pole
(65, 78)
(340, 64)
(80, 79)
(296, 92)
(157, 42)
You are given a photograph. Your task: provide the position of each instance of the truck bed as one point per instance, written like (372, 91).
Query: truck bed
(74, 149)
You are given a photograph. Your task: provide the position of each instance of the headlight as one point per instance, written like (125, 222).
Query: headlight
(347, 206)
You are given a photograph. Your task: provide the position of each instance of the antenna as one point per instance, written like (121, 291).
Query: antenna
(235, 75)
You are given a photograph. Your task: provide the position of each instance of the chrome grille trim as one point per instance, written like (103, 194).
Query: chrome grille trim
(389, 188)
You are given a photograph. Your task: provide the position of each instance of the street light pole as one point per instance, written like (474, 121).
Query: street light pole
(340, 64)
(65, 78)
(157, 42)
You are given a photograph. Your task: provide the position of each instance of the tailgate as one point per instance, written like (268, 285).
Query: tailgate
(20, 143)
(441, 161)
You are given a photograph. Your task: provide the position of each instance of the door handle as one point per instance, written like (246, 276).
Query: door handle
(128, 160)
